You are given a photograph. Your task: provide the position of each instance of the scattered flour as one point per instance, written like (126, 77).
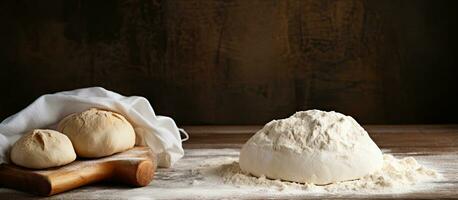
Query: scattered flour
(321, 151)
(212, 174)
(396, 175)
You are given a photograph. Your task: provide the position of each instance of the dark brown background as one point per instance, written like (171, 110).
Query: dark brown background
(240, 61)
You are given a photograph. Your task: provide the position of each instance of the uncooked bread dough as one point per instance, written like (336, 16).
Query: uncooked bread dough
(42, 148)
(97, 133)
(311, 147)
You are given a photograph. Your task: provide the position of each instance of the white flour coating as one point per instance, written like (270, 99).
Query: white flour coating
(396, 175)
(312, 130)
(311, 147)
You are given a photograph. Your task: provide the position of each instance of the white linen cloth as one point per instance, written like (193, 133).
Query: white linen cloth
(160, 133)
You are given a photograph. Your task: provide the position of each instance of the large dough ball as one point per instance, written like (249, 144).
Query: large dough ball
(311, 147)
(97, 133)
(41, 149)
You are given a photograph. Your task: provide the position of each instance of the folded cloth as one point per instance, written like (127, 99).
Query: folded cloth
(160, 133)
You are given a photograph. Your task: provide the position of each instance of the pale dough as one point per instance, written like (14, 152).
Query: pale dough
(97, 133)
(41, 148)
(311, 147)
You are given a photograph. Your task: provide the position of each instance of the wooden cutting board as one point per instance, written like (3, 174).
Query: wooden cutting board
(134, 167)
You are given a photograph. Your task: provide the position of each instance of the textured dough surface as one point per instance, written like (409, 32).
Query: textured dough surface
(311, 147)
(98, 133)
(42, 148)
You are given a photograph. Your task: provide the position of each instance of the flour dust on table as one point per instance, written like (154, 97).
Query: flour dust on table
(396, 176)
(215, 174)
(321, 150)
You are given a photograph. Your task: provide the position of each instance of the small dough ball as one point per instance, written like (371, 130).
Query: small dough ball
(96, 133)
(42, 148)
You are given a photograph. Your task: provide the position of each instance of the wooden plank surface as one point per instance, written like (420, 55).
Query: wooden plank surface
(402, 137)
(133, 167)
(433, 146)
(239, 61)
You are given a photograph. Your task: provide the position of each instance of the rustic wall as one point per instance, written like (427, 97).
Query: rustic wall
(239, 61)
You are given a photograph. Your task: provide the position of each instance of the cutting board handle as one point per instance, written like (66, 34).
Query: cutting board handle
(134, 171)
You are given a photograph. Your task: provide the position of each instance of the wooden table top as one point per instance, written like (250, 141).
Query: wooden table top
(399, 137)
(427, 143)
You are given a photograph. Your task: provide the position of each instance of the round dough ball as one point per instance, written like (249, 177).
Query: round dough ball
(97, 133)
(311, 147)
(42, 148)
